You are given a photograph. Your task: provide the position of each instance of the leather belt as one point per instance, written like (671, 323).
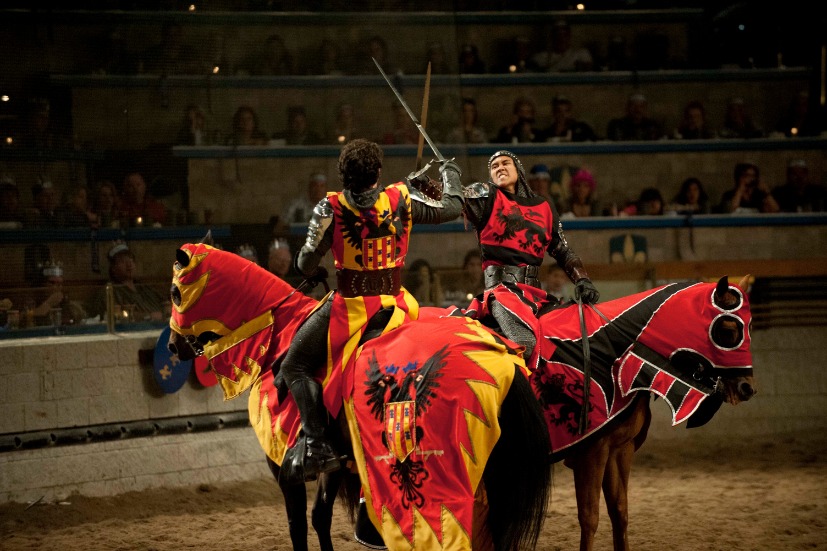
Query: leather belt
(496, 274)
(353, 283)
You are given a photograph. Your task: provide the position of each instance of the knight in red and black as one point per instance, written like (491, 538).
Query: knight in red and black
(516, 228)
(367, 227)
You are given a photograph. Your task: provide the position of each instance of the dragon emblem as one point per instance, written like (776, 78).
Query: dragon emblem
(418, 387)
(515, 222)
(562, 402)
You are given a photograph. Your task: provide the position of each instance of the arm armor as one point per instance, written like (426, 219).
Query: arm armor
(567, 258)
(427, 210)
(317, 242)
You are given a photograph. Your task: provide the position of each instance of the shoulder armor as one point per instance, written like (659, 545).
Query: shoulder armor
(319, 222)
(477, 190)
(418, 196)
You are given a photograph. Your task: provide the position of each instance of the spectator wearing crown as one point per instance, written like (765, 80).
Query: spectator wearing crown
(142, 301)
(247, 251)
(43, 213)
(53, 306)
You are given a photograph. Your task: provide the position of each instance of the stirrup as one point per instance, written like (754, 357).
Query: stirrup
(320, 458)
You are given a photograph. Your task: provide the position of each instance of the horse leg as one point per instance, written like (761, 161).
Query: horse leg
(588, 465)
(615, 491)
(295, 502)
(321, 515)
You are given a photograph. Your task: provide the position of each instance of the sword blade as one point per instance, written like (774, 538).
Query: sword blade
(421, 144)
(410, 113)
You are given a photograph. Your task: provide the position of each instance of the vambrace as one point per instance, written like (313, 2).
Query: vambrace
(319, 222)
(569, 261)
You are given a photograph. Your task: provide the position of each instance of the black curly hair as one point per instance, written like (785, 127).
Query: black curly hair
(359, 164)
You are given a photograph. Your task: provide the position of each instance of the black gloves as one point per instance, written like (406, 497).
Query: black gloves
(449, 164)
(585, 291)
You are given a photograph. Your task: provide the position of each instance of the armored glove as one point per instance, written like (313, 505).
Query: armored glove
(585, 291)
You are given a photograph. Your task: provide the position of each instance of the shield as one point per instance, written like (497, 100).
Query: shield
(170, 373)
(203, 371)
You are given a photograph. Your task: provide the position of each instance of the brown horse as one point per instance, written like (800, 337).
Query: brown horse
(687, 343)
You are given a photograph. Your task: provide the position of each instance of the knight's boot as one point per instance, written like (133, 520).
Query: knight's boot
(320, 456)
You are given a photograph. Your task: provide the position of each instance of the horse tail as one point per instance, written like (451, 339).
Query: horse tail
(518, 474)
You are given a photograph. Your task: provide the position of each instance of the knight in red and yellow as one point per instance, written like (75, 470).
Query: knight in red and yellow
(516, 228)
(367, 227)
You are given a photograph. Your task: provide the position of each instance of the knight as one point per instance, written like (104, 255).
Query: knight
(366, 226)
(516, 229)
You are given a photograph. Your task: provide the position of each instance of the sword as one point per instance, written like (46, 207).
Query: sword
(410, 113)
(425, 96)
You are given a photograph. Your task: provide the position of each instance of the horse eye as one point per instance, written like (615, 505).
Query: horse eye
(729, 301)
(208, 336)
(175, 295)
(727, 332)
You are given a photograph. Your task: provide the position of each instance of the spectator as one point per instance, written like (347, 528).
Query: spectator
(247, 251)
(172, 56)
(561, 55)
(438, 59)
(564, 127)
(691, 198)
(273, 59)
(193, 129)
(516, 56)
(539, 180)
(345, 128)
(693, 124)
(636, 123)
(798, 193)
(801, 118)
(522, 127)
(328, 60)
(105, 204)
(469, 284)
(424, 284)
(738, 123)
(75, 210)
(582, 201)
(52, 304)
(404, 130)
(297, 132)
(43, 213)
(11, 216)
(556, 283)
(138, 207)
(650, 202)
(246, 130)
(127, 292)
(749, 194)
(376, 48)
(301, 208)
(470, 62)
(468, 131)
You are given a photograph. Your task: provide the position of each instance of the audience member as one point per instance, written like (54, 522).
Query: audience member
(539, 180)
(749, 193)
(328, 60)
(11, 215)
(43, 213)
(246, 130)
(693, 124)
(52, 305)
(127, 292)
(438, 59)
(460, 290)
(345, 128)
(798, 193)
(75, 210)
(556, 283)
(582, 199)
(301, 208)
(468, 131)
(636, 123)
(801, 118)
(376, 48)
(105, 204)
(404, 129)
(423, 283)
(298, 132)
(279, 258)
(522, 128)
(564, 127)
(649, 203)
(691, 198)
(193, 129)
(273, 59)
(137, 207)
(470, 62)
(738, 123)
(247, 251)
(516, 56)
(562, 55)
(172, 56)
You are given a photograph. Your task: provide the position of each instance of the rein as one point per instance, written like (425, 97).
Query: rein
(583, 423)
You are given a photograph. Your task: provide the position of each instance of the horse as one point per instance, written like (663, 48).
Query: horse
(687, 343)
(448, 440)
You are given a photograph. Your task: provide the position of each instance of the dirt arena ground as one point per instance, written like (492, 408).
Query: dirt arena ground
(690, 493)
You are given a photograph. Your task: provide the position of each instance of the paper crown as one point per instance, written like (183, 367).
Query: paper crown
(247, 251)
(279, 243)
(52, 269)
(118, 246)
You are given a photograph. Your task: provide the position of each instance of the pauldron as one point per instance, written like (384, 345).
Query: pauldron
(319, 222)
(477, 190)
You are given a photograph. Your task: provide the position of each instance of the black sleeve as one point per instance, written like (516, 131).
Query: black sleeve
(426, 214)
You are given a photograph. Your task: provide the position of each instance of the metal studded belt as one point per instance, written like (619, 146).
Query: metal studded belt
(494, 275)
(353, 283)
